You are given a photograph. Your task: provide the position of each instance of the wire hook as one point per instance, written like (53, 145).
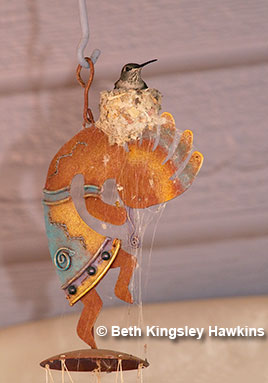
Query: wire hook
(87, 113)
(85, 37)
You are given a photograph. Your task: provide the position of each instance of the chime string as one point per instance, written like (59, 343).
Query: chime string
(121, 371)
(62, 372)
(48, 373)
(117, 372)
(97, 374)
(85, 37)
(139, 374)
(66, 369)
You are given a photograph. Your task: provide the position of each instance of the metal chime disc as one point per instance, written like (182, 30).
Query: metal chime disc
(94, 359)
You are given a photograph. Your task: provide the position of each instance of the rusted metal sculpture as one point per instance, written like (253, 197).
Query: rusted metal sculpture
(144, 176)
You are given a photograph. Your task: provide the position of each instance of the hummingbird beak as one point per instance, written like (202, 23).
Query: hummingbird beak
(147, 62)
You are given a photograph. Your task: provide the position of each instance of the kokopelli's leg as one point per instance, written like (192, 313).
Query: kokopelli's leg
(127, 264)
(92, 306)
(93, 303)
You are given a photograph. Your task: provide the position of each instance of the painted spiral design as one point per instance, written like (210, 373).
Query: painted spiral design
(134, 241)
(62, 258)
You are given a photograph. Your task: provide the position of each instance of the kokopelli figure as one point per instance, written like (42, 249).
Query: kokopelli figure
(144, 177)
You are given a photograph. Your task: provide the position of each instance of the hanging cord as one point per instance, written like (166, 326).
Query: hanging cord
(85, 62)
(87, 113)
(48, 373)
(119, 370)
(139, 374)
(64, 368)
(85, 37)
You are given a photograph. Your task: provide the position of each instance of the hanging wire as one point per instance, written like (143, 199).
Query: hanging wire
(85, 37)
(87, 113)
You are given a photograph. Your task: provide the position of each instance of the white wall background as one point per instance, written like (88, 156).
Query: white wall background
(213, 73)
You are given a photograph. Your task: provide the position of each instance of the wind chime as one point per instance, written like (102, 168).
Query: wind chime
(129, 143)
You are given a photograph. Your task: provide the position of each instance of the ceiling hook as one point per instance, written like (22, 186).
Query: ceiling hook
(85, 37)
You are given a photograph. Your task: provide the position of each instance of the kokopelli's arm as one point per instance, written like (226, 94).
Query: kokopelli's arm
(105, 212)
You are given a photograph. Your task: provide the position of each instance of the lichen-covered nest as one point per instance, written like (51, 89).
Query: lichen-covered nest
(124, 115)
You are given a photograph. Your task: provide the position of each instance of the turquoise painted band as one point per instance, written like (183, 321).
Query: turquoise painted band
(92, 189)
(56, 195)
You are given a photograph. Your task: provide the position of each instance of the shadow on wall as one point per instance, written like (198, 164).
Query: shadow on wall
(53, 117)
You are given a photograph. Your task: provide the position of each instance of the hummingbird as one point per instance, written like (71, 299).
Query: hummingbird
(130, 77)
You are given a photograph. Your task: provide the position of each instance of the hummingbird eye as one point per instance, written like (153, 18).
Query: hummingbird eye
(128, 68)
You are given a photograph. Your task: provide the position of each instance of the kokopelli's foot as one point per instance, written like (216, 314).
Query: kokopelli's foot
(92, 306)
(127, 264)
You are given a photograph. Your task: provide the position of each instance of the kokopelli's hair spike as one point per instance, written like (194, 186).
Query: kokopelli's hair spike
(151, 174)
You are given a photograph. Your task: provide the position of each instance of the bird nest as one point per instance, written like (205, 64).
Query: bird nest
(124, 115)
